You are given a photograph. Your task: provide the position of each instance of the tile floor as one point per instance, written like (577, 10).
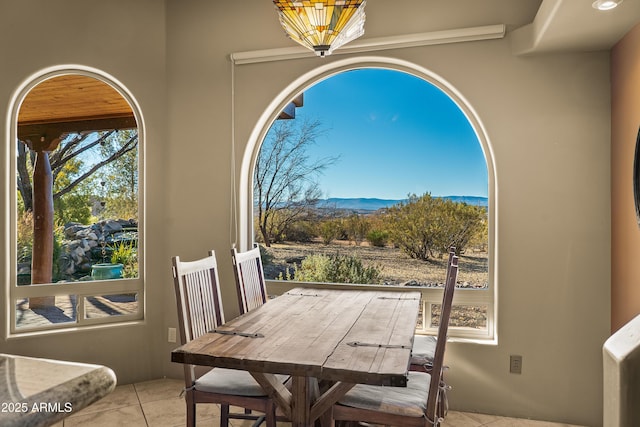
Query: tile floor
(157, 404)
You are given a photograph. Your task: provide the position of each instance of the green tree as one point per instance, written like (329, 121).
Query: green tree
(73, 206)
(424, 226)
(119, 178)
(413, 225)
(78, 157)
(461, 225)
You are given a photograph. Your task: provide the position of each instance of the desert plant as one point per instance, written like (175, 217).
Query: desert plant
(357, 228)
(330, 230)
(265, 255)
(378, 238)
(425, 226)
(334, 269)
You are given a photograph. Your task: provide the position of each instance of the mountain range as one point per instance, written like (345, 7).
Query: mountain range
(373, 204)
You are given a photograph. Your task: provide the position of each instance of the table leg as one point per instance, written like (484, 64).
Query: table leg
(303, 393)
(303, 404)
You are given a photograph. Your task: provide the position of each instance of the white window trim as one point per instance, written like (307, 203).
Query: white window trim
(487, 297)
(82, 290)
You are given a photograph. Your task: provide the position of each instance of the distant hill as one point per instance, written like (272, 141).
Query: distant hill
(373, 204)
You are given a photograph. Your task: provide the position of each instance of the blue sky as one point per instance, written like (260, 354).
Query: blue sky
(395, 134)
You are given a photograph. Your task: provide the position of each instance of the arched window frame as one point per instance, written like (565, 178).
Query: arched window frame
(489, 297)
(82, 290)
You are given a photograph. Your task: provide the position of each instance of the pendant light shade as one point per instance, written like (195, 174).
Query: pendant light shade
(322, 26)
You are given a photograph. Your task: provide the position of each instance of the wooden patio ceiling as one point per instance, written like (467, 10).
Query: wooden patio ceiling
(72, 103)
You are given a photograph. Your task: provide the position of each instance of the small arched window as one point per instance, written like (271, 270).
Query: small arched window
(77, 142)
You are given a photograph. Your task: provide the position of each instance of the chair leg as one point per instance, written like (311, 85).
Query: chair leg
(191, 411)
(224, 415)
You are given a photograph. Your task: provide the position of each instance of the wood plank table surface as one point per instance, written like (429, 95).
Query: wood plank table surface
(335, 338)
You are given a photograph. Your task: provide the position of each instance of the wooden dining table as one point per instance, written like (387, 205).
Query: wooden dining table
(327, 340)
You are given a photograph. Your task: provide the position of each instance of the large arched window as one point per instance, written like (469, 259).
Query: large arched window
(77, 251)
(368, 178)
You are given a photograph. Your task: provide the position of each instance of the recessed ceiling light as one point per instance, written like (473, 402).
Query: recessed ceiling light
(605, 4)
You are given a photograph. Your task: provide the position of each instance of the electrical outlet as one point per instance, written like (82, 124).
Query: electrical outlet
(172, 334)
(515, 364)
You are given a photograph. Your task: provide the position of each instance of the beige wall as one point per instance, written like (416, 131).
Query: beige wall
(548, 122)
(625, 233)
(546, 117)
(127, 41)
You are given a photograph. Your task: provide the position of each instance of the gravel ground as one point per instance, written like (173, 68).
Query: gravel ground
(396, 267)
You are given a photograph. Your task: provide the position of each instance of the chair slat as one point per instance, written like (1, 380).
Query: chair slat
(250, 283)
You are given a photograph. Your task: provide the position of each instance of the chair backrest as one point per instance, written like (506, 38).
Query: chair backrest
(250, 284)
(452, 253)
(198, 296)
(443, 327)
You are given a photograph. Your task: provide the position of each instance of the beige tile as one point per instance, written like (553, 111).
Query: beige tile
(123, 395)
(156, 404)
(518, 422)
(461, 419)
(165, 413)
(165, 388)
(130, 416)
(172, 412)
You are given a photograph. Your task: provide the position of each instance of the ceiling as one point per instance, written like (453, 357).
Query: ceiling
(72, 103)
(574, 25)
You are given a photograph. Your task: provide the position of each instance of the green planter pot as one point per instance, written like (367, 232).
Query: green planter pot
(106, 271)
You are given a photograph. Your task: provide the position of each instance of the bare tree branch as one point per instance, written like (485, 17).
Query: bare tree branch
(285, 180)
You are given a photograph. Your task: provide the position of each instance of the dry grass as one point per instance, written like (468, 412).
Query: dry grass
(396, 267)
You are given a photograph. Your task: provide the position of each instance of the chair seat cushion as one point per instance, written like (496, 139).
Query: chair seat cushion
(407, 401)
(231, 381)
(424, 347)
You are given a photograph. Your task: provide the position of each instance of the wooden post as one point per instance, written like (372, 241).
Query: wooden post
(42, 255)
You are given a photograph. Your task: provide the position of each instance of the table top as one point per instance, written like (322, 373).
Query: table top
(39, 392)
(357, 336)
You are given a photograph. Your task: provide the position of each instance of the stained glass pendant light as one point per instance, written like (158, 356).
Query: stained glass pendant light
(322, 26)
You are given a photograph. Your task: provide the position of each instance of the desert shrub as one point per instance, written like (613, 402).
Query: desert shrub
(334, 269)
(329, 230)
(425, 226)
(265, 256)
(299, 231)
(413, 225)
(357, 227)
(378, 238)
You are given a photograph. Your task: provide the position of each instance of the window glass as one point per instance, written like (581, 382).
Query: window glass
(76, 201)
(375, 177)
